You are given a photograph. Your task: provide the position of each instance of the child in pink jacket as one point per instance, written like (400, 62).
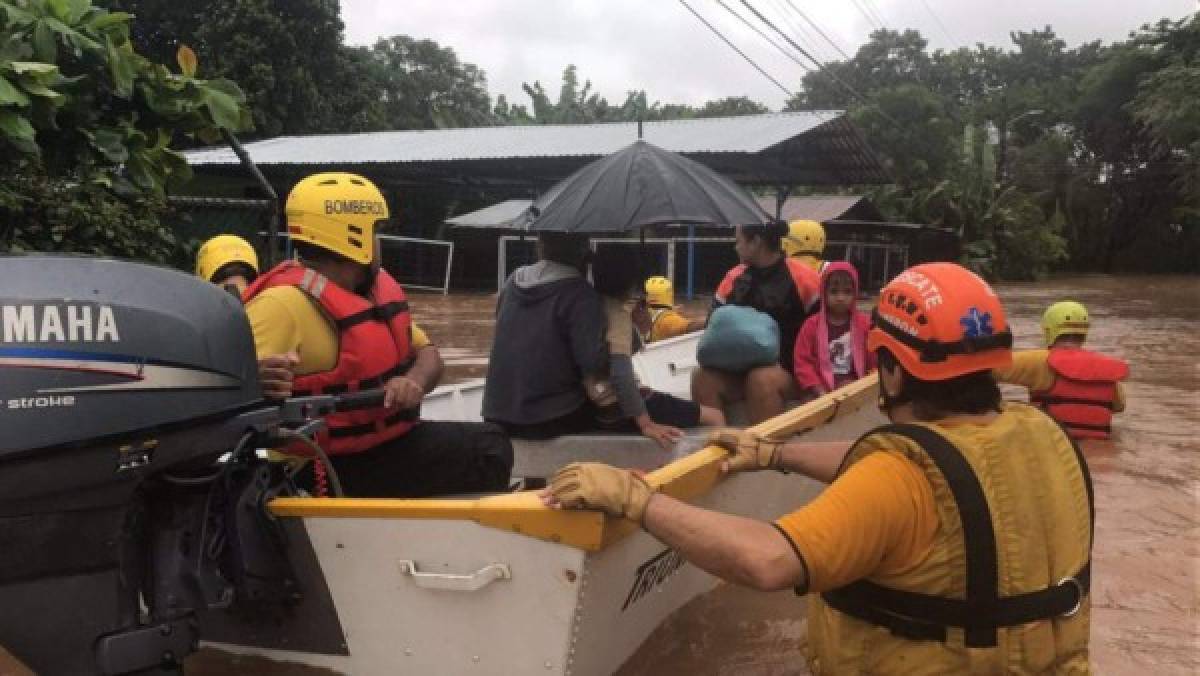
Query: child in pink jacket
(831, 348)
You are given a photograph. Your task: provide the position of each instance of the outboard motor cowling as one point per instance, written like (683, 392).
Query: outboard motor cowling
(121, 385)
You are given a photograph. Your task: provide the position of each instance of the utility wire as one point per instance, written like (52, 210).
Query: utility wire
(735, 48)
(871, 22)
(818, 30)
(764, 36)
(801, 33)
(941, 25)
(870, 4)
(833, 76)
(805, 52)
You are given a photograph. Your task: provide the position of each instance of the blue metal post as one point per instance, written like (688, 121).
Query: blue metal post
(691, 276)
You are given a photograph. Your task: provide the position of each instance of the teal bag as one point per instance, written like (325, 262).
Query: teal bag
(737, 339)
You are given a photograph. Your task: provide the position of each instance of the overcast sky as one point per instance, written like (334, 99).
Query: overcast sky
(657, 45)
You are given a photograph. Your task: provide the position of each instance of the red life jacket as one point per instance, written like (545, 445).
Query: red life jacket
(1085, 387)
(374, 345)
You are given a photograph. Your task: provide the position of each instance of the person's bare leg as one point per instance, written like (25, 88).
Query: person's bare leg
(711, 417)
(710, 388)
(768, 389)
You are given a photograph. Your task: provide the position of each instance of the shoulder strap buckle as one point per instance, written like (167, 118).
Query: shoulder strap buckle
(1079, 594)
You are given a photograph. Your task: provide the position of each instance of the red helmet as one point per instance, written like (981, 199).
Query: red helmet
(941, 321)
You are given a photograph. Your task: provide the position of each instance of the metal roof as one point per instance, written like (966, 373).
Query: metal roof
(499, 215)
(813, 207)
(794, 147)
(823, 207)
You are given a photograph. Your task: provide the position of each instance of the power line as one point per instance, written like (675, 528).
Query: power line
(806, 54)
(818, 30)
(800, 32)
(941, 25)
(735, 48)
(764, 36)
(871, 22)
(870, 4)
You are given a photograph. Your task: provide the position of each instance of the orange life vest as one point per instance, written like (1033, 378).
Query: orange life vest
(807, 281)
(1085, 387)
(374, 345)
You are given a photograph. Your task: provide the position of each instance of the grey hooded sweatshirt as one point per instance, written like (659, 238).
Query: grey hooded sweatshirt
(550, 328)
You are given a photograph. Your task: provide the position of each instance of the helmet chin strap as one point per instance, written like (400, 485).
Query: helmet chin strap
(888, 401)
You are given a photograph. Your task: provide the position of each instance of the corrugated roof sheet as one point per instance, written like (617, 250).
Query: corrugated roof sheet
(745, 134)
(813, 207)
(496, 216)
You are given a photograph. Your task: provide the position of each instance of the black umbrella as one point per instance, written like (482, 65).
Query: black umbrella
(638, 186)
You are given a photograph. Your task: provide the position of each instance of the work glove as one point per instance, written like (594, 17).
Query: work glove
(594, 485)
(747, 450)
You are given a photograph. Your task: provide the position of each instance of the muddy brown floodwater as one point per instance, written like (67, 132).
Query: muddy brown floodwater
(1146, 569)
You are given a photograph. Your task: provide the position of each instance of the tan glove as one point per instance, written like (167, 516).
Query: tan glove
(594, 485)
(747, 451)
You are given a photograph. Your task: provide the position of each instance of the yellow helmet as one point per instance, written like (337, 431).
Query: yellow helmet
(337, 211)
(804, 237)
(1065, 318)
(660, 292)
(222, 250)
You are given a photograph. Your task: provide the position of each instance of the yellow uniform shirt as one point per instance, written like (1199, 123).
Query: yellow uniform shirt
(285, 319)
(876, 518)
(1030, 369)
(666, 323)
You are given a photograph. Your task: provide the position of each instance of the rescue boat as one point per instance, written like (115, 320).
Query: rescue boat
(500, 584)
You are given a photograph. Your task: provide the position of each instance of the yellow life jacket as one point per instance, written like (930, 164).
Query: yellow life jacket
(1005, 586)
(656, 313)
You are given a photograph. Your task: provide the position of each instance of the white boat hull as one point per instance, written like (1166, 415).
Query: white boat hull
(665, 366)
(501, 585)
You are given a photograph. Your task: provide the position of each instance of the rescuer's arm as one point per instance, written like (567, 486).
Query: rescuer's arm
(406, 391)
(819, 460)
(277, 343)
(1029, 369)
(745, 551)
(877, 516)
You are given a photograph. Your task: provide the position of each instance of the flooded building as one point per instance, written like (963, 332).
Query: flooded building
(433, 179)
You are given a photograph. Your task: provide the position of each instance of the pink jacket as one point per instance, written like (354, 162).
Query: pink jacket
(811, 352)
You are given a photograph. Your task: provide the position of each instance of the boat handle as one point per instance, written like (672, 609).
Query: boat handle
(674, 368)
(450, 582)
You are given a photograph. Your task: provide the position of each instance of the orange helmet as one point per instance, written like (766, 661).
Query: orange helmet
(941, 321)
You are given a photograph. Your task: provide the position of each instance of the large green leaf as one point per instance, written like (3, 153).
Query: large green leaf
(111, 144)
(69, 11)
(34, 68)
(80, 41)
(121, 67)
(18, 16)
(44, 46)
(18, 131)
(103, 22)
(10, 95)
(224, 109)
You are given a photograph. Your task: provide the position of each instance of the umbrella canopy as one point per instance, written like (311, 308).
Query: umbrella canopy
(638, 186)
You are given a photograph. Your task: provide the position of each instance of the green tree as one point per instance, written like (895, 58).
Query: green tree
(89, 126)
(286, 54)
(731, 106)
(423, 85)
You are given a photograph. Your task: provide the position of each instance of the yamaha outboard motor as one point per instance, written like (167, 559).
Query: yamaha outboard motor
(131, 496)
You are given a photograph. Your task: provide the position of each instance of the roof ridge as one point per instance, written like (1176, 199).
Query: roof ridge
(557, 125)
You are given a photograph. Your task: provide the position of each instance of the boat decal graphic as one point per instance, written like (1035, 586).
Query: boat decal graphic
(652, 573)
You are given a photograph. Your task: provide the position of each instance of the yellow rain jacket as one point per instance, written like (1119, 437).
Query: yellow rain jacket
(1004, 587)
